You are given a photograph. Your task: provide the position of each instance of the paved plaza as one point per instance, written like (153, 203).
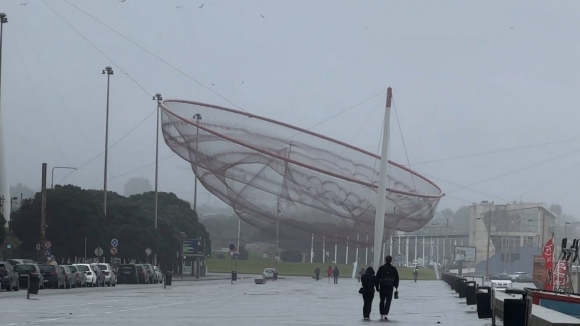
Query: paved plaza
(291, 301)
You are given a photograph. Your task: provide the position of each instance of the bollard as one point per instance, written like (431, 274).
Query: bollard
(168, 279)
(470, 293)
(234, 276)
(483, 298)
(461, 288)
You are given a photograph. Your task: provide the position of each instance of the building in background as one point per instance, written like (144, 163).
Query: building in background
(516, 232)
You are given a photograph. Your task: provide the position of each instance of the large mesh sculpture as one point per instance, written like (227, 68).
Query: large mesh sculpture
(270, 172)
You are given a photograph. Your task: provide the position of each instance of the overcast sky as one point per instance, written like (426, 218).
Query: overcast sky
(468, 77)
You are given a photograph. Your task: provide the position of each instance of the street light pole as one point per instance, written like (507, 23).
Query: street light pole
(159, 99)
(107, 71)
(488, 243)
(197, 117)
(4, 187)
(52, 174)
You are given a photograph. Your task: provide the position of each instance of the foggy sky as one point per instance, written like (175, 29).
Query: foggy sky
(468, 77)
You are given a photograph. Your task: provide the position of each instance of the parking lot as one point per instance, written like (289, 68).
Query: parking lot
(291, 301)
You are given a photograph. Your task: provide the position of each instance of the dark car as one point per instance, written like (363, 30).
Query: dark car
(524, 278)
(15, 262)
(69, 278)
(8, 277)
(28, 270)
(53, 277)
(143, 275)
(502, 277)
(127, 274)
(79, 277)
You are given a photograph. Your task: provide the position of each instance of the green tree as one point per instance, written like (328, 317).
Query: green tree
(2, 228)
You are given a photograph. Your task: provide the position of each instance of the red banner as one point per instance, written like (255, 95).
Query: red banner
(548, 254)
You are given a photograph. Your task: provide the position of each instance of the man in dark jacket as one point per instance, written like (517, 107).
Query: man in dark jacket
(335, 274)
(317, 273)
(368, 282)
(387, 280)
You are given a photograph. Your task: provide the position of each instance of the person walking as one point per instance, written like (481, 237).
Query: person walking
(329, 273)
(361, 273)
(387, 279)
(415, 273)
(368, 282)
(317, 273)
(335, 273)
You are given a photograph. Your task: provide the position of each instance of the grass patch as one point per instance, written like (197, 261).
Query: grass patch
(256, 266)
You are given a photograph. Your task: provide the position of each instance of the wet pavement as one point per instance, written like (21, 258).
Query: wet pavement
(292, 301)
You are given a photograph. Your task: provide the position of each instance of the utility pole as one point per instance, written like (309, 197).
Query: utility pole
(197, 117)
(43, 210)
(277, 232)
(158, 98)
(107, 71)
(4, 186)
(488, 243)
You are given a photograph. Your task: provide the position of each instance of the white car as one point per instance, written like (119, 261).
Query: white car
(110, 276)
(501, 285)
(92, 277)
(158, 273)
(268, 273)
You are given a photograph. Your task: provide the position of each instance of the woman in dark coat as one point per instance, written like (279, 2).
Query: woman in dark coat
(368, 281)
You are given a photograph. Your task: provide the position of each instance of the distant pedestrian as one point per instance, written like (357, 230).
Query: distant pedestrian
(367, 290)
(415, 273)
(317, 273)
(386, 282)
(361, 273)
(329, 273)
(335, 273)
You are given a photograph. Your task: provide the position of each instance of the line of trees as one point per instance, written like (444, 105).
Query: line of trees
(73, 214)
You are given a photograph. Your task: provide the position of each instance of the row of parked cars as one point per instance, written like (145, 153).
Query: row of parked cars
(14, 273)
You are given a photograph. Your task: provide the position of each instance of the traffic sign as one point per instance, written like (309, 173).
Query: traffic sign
(38, 247)
(47, 252)
(99, 251)
(8, 246)
(114, 242)
(148, 252)
(47, 244)
(232, 247)
(113, 251)
(236, 256)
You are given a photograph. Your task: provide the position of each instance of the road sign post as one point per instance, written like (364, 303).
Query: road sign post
(114, 242)
(113, 251)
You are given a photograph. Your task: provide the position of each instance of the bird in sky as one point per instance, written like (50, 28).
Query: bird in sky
(262, 16)
(201, 6)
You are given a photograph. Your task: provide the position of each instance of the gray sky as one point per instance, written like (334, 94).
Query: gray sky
(468, 77)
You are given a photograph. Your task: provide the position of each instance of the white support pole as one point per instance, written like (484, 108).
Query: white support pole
(323, 248)
(416, 248)
(438, 257)
(398, 245)
(346, 255)
(356, 253)
(239, 228)
(312, 249)
(382, 191)
(335, 248)
(407, 250)
(423, 252)
(367, 252)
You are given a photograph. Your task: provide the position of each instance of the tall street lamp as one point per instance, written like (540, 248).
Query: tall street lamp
(107, 71)
(197, 117)
(4, 187)
(158, 98)
(52, 174)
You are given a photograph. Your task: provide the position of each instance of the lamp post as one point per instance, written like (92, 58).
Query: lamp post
(197, 117)
(59, 167)
(11, 200)
(107, 71)
(566, 229)
(4, 187)
(158, 98)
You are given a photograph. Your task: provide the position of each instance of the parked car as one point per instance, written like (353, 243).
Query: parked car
(159, 274)
(151, 272)
(53, 277)
(8, 277)
(524, 278)
(100, 276)
(28, 270)
(90, 276)
(79, 277)
(502, 276)
(69, 280)
(110, 276)
(128, 274)
(515, 275)
(144, 277)
(15, 262)
(268, 273)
